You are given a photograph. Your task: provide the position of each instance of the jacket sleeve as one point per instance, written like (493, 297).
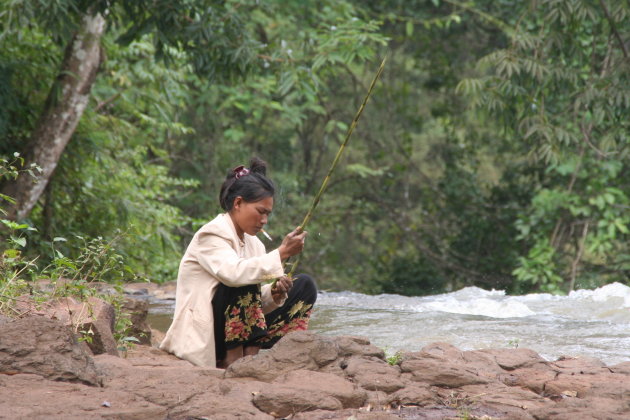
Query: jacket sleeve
(215, 255)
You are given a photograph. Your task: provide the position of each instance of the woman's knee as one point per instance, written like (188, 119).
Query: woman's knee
(307, 287)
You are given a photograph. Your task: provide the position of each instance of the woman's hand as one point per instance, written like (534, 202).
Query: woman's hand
(292, 244)
(281, 289)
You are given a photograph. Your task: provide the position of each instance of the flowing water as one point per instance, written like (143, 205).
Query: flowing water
(593, 323)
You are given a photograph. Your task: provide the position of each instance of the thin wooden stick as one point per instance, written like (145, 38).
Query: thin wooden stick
(324, 186)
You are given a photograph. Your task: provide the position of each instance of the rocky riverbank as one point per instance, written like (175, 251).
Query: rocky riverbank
(45, 373)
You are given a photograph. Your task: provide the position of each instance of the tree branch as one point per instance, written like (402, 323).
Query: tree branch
(614, 28)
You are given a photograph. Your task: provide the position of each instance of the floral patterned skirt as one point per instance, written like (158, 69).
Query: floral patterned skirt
(239, 319)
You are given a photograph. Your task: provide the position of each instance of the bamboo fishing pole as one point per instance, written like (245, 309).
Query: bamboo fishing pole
(324, 185)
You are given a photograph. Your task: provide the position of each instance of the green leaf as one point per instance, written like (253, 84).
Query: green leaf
(364, 171)
(11, 253)
(409, 28)
(621, 226)
(7, 198)
(19, 241)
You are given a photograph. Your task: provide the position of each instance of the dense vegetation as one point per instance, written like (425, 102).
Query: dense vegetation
(494, 151)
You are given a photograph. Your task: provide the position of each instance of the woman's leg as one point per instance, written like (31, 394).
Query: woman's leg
(231, 356)
(251, 350)
(294, 314)
(238, 322)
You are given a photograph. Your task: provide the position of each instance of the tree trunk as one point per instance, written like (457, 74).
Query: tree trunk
(64, 107)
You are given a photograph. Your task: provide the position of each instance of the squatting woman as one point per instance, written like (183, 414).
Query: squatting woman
(225, 306)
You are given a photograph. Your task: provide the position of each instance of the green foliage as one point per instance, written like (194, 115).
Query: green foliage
(97, 261)
(410, 276)
(494, 151)
(513, 343)
(561, 86)
(539, 268)
(395, 358)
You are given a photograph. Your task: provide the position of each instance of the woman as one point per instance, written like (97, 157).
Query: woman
(221, 311)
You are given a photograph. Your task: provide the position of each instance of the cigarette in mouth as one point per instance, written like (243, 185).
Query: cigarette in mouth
(266, 234)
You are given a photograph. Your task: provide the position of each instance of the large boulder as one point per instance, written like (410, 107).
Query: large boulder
(138, 310)
(298, 350)
(47, 348)
(441, 364)
(93, 319)
(306, 351)
(291, 393)
(374, 374)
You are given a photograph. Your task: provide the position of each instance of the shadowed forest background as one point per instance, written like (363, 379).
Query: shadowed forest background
(494, 151)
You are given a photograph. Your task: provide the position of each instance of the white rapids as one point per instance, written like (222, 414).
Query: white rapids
(586, 323)
(593, 323)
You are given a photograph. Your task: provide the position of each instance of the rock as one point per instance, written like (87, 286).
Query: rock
(437, 370)
(297, 350)
(47, 348)
(94, 319)
(166, 291)
(413, 394)
(505, 401)
(377, 399)
(4, 319)
(140, 289)
(157, 337)
(622, 368)
(303, 350)
(509, 359)
(580, 365)
(533, 379)
(343, 414)
(576, 408)
(374, 374)
(358, 346)
(138, 311)
(290, 394)
(308, 376)
(567, 385)
(99, 317)
(26, 396)
(443, 351)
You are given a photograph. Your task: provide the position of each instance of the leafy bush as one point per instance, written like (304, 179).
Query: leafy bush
(96, 262)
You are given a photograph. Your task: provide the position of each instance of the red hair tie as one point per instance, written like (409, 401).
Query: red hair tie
(240, 171)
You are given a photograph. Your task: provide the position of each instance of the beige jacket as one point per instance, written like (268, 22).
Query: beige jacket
(215, 255)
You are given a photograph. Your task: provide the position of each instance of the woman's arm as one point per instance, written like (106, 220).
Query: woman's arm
(216, 255)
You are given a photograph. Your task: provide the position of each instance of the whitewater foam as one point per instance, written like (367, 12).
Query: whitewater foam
(484, 307)
(607, 293)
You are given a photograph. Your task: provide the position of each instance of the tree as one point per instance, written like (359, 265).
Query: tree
(63, 110)
(561, 89)
(147, 117)
(210, 33)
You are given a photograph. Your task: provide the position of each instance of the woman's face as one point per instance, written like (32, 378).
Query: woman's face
(250, 217)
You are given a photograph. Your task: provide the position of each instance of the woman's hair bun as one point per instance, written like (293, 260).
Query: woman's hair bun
(250, 183)
(258, 166)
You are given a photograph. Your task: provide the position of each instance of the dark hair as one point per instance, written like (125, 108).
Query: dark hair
(252, 186)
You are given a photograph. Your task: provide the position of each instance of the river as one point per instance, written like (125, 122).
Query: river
(594, 323)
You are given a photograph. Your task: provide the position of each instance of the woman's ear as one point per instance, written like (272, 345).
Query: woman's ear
(237, 202)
